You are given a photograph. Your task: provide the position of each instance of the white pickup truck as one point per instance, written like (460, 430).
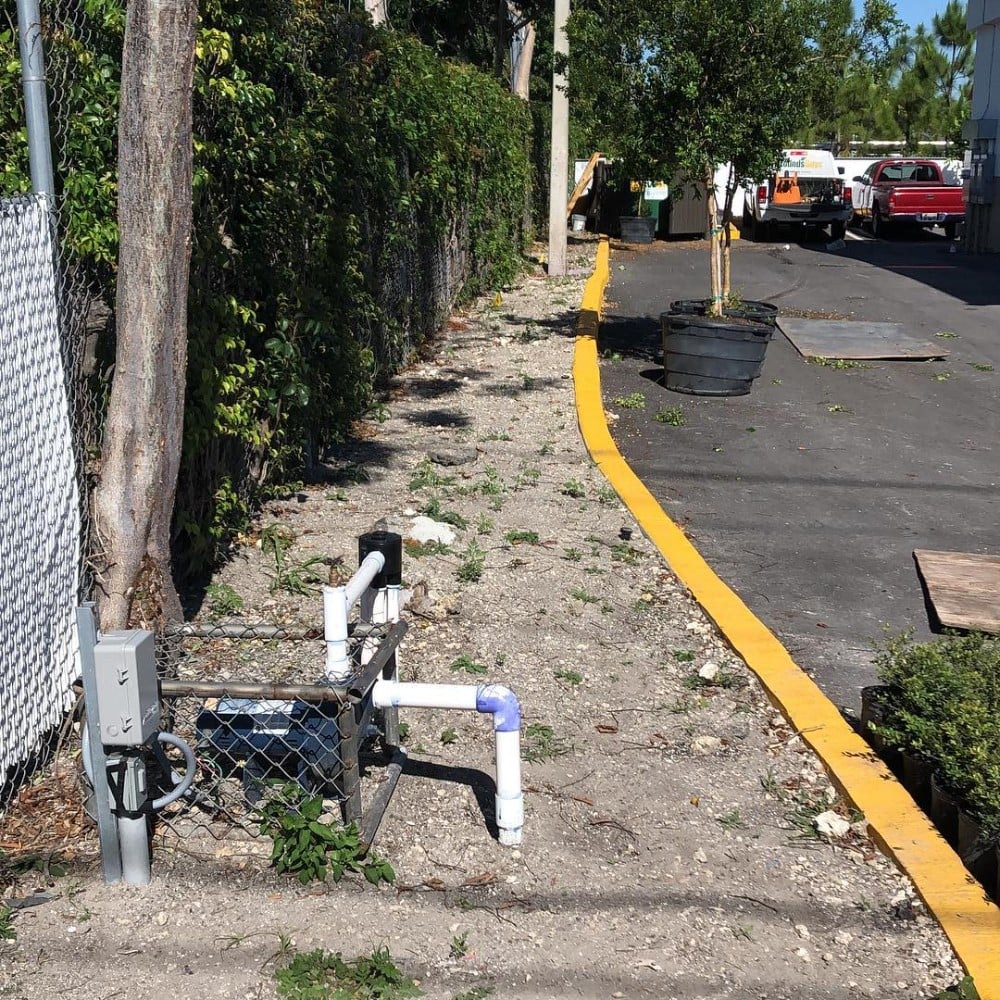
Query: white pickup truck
(807, 190)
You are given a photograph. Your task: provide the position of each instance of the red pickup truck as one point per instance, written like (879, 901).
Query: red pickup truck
(907, 191)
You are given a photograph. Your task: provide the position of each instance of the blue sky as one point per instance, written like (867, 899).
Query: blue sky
(915, 12)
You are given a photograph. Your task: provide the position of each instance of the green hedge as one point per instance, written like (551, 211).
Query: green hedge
(943, 704)
(349, 186)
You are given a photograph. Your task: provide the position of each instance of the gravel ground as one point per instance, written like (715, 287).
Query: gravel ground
(670, 848)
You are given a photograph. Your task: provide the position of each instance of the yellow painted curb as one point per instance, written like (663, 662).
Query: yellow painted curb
(970, 920)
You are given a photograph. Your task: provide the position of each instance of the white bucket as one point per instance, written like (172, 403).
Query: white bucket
(578, 223)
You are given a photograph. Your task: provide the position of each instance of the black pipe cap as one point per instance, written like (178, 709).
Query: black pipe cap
(391, 546)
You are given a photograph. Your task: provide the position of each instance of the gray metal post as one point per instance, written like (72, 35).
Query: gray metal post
(107, 827)
(36, 106)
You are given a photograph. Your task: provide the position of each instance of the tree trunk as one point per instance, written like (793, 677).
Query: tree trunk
(521, 83)
(716, 307)
(376, 11)
(727, 218)
(134, 500)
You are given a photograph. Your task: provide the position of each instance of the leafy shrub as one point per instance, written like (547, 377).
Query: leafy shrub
(943, 704)
(305, 847)
(340, 171)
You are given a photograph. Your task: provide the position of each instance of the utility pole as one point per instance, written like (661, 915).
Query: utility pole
(559, 152)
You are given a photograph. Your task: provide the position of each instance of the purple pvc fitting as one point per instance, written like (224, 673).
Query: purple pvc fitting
(502, 704)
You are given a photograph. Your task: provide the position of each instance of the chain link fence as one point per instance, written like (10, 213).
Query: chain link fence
(51, 313)
(40, 517)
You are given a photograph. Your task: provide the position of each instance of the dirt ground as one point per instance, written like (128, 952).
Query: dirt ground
(670, 848)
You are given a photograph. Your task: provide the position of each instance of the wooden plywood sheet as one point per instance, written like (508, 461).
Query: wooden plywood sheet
(964, 588)
(856, 340)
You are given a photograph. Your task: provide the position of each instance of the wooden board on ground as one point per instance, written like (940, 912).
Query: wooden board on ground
(856, 340)
(964, 588)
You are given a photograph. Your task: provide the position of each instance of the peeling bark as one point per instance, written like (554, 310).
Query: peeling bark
(134, 500)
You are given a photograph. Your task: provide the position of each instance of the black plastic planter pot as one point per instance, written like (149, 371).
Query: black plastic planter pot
(637, 228)
(944, 812)
(873, 700)
(917, 779)
(759, 312)
(712, 357)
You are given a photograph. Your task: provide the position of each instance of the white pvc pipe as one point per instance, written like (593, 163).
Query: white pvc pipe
(509, 800)
(487, 699)
(393, 694)
(338, 663)
(370, 567)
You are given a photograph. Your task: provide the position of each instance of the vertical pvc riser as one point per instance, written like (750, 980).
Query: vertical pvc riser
(338, 664)
(107, 828)
(489, 699)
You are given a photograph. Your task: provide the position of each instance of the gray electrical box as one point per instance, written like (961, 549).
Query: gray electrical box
(128, 693)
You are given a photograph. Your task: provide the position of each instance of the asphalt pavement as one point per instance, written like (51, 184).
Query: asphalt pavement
(809, 495)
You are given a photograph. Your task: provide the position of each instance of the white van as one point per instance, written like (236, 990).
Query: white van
(807, 190)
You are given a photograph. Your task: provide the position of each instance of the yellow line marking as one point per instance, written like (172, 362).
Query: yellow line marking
(970, 920)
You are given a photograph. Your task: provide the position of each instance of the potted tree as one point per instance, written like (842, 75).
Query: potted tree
(687, 85)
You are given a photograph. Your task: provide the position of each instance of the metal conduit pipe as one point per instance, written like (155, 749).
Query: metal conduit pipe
(487, 699)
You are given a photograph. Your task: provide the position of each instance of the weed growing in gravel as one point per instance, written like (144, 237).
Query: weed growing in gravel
(540, 743)
(611, 355)
(633, 401)
(294, 577)
(484, 525)
(572, 555)
(731, 820)
(519, 537)
(723, 679)
(426, 476)
(319, 974)
(530, 333)
(837, 408)
(467, 665)
(223, 599)
(433, 509)
(769, 782)
(946, 334)
(476, 993)
(571, 677)
(7, 930)
(420, 549)
(683, 656)
(981, 367)
(581, 595)
(459, 946)
(339, 495)
(942, 376)
(744, 932)
(448, 736)
(527, 477)
(497, 436)
(573, 488)
(470, 569)
(838, 364)
(671, 415)
(806, 805)
(547, 449)
(605, 494)
(308, 848)
(964, 990)
(527, 382)
(623, 552)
